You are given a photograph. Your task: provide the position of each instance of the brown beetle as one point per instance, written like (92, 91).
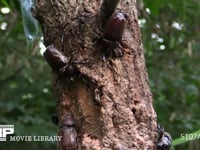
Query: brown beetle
(115, 27)
(113, 32)
(59, 62)
(55, 58)
(67, 129)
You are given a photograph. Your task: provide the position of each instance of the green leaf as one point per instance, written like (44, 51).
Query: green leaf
(4, 3)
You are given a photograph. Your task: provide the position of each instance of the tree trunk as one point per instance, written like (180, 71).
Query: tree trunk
(109, 99)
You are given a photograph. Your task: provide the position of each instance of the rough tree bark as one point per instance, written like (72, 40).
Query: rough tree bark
(122, 118)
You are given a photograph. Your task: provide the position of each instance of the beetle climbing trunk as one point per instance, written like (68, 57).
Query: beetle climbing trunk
(108, 99)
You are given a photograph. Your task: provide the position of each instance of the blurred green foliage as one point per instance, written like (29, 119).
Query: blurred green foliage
(171, 40)
(26, 97)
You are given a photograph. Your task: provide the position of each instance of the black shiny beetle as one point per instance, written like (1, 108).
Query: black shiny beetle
(59, 62)
(112, 35)
(67, 129)
(164, 140)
